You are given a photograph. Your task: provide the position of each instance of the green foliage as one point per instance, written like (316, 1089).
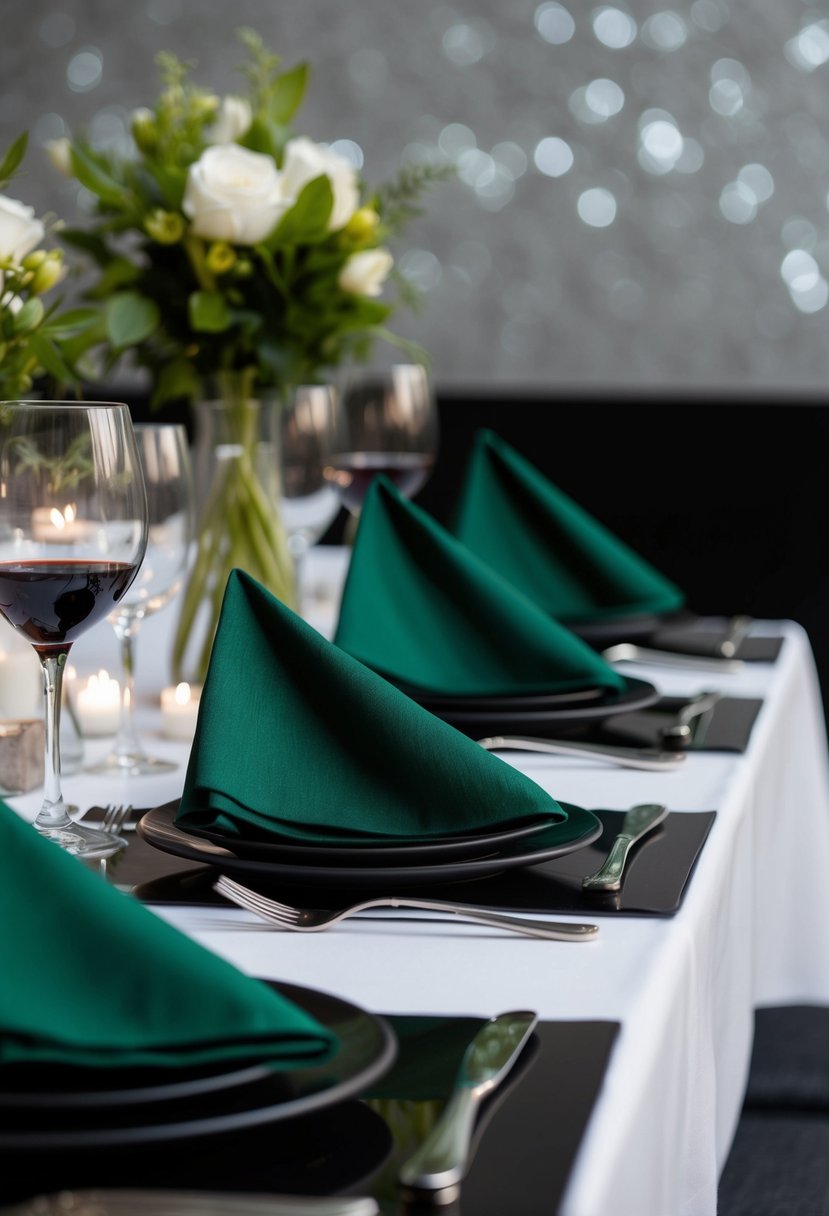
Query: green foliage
(193, 308)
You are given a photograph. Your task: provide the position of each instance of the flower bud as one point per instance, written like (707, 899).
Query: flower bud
(34, 259)
(205, 105)
(361, 228)
(50, 272)
(220, 257)
(166, 227)
(143, 128)
(233, 121)
(59, 152)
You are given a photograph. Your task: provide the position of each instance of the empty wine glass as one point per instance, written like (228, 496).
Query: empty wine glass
(73, 530)
(165, 459)
(387, 424)
(309, 500)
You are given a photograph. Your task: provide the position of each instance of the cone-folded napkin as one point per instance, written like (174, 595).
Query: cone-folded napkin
(549, 547)
(422, 609)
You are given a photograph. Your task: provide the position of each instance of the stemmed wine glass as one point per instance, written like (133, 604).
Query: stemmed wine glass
(73, 530)
(165, 460)
(309, 500)
(388, 424)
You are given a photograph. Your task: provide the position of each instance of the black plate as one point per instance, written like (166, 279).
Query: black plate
(636, 694)
(410, 852)
(367, 1049)
(548, 700)
(578, 830)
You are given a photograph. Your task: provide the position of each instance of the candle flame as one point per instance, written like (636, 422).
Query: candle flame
(57, 519)
(182, 694)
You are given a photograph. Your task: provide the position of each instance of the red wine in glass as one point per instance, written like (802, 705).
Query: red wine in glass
(51, 602)
(353, 472)
(73, 532)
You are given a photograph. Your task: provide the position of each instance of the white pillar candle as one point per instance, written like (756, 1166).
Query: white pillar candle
(98, 705)
(21, 678)
(179, 712)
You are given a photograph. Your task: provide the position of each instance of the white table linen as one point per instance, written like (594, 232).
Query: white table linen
(752, 929)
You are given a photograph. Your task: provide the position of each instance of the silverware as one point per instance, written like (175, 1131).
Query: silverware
(188, 1203)
(649, 758)
(627, 652)
(738, 628)
(312, 920)
(115, 817)
(443, 1158)
(681, 731)
(637, 823)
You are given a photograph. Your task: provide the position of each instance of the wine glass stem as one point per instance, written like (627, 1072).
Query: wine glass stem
(127, 743)
(52, 813)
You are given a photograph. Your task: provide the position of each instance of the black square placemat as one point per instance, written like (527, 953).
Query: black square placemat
(726, 727)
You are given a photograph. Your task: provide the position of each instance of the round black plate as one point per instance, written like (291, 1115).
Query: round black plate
(578, 830)
(530, 719)
(367, 1049)
(634, 628)
(428, 852)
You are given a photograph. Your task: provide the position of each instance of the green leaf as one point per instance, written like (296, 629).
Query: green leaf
(50, 357)
(130, 318)
(13, 157)
(306, 222)
(208, 312)
(92, 175)
(171, 181)
(264, 136)
(72, 322)
(117, 273)
(175, 381)
(88, 242)
(287, 93)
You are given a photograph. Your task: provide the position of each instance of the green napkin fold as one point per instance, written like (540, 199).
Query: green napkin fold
(429, 615)
(92, 978)
(295, 739)
(523, 526)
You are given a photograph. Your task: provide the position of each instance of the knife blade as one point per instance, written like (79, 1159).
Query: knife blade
(637, 823)
(442, 1159)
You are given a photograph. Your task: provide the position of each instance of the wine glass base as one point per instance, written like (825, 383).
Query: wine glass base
(82, 841)
(131, 765)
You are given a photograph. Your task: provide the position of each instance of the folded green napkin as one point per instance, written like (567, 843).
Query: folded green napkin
(429, 615)
(92, 978)
(297, 739)
(546, 545)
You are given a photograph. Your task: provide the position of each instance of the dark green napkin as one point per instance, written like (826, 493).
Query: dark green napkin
(546, 545)
(429, 615)
(297, 739)
(90, 977)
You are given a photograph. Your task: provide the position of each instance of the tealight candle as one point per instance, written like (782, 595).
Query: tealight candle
(98, 705)
(53, 526)
(21, 679)
(179, 712)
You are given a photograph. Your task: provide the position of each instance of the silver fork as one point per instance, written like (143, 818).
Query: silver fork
(115, 815)
(312, 920)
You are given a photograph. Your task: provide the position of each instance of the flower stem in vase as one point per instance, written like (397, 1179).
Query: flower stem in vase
(240, 524)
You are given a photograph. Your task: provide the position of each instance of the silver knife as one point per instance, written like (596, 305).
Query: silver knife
(443, 1158)
(637, 822)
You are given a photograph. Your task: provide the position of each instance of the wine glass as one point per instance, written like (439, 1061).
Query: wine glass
(73, 530)
(388, 424)
(165, 460)
(309, 500)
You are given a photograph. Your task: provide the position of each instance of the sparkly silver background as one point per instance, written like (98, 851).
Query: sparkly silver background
(641, 193)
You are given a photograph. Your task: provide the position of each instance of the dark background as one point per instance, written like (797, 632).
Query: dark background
(728, 498)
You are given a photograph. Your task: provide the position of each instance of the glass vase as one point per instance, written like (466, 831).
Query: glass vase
(236, 468)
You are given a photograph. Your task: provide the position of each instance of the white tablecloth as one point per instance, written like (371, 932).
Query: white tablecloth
(752, 929)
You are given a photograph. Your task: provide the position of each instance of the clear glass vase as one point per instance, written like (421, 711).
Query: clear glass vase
(236, 468)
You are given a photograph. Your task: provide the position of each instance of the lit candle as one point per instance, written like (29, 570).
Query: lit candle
(179, 712)
(98, 705)
(21, 679)
(61, 527)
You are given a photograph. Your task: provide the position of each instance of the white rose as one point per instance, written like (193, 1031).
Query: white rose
(305, 160)
(20, 231)
(365, 272)
(234, 120)
(233, 194)
(59, 152)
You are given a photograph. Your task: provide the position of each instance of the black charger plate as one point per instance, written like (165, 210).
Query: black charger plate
(367, 1049)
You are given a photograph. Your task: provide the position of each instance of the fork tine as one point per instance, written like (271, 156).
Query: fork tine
(281, 914)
